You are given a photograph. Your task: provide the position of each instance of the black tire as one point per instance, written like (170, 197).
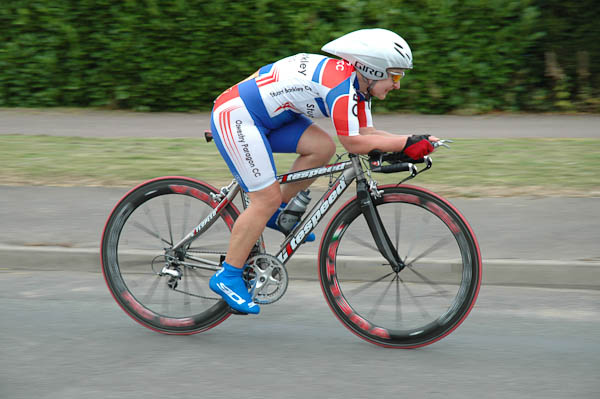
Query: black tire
(144, 223)
(425, 301)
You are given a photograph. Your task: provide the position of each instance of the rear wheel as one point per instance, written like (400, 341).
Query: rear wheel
(426, 300)
(163, 290)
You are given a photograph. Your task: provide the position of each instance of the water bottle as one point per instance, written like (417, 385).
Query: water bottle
(293, 211)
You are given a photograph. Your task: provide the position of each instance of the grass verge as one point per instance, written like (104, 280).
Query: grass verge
(473, 167)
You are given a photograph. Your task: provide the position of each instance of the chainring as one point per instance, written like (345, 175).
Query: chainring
(266, 277)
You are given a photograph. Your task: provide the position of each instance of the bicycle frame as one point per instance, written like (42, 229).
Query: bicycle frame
(229, 192)
(350, 170)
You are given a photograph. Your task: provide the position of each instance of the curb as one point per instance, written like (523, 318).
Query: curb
(512, 272)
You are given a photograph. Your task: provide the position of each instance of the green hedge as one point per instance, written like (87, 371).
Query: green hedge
(470, 55)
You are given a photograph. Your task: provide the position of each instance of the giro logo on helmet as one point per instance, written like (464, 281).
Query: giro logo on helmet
(367, 69)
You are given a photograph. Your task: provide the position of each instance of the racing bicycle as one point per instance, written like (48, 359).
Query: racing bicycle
(398, 264)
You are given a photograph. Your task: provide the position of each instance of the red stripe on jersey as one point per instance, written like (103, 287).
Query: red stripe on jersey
(340, 115)
(227, 95)
(267, 79)
(334, 72)
(231, 137)
(362, 114)
(223, 117)
(227, 133)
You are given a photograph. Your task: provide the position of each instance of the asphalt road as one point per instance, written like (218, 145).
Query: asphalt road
(63, 337)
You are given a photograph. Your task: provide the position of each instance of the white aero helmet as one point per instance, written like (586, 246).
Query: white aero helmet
(372, 51)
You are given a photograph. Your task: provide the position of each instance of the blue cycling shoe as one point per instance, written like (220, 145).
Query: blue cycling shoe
(272, 224)
(228, 283)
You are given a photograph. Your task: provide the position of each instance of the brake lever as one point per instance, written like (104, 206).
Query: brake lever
(443, 143)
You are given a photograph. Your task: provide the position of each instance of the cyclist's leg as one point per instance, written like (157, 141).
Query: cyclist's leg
(247, 153)
(257, 179)
(314, 146)
(251, 223)
(247, 229)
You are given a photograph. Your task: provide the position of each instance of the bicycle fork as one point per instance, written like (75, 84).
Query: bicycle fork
(371, 215)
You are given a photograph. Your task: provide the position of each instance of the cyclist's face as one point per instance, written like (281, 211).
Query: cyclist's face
(383, 87)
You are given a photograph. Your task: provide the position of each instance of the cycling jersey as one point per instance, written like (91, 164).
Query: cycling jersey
(269, 112)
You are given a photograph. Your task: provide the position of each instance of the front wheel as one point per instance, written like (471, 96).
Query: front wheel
(164, 290)
(423, 302)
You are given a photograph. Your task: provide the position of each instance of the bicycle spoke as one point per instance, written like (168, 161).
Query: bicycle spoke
(417, 234)
(434, 247)
(187, 308)
(432, 284)
(361, 241)
(186, 214)
(151, 290)
(398, 301)
(150, 232)
(373, 311)
(423, 311)
(368, 284)
(168, 217)
(165, 302)
(130, 263)
(196, 284)
(148, 214)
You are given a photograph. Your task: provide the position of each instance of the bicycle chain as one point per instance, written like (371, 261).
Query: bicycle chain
(196, 251)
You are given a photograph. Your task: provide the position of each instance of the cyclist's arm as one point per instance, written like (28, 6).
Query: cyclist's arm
(364, 143)
(371, 130)
(372, 139)
(350, 116)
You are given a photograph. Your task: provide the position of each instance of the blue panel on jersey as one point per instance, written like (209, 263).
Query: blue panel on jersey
(268, 147)
(321, 105)
(265, 69)
(317, 73)
(282, 119)
(251, 96)
(338, 91)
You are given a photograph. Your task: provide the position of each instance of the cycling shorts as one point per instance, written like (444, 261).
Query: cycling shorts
(247, 140)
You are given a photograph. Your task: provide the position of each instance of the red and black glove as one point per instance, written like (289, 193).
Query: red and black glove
(418, 146)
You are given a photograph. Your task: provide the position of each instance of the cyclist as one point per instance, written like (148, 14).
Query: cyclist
(271, 111)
